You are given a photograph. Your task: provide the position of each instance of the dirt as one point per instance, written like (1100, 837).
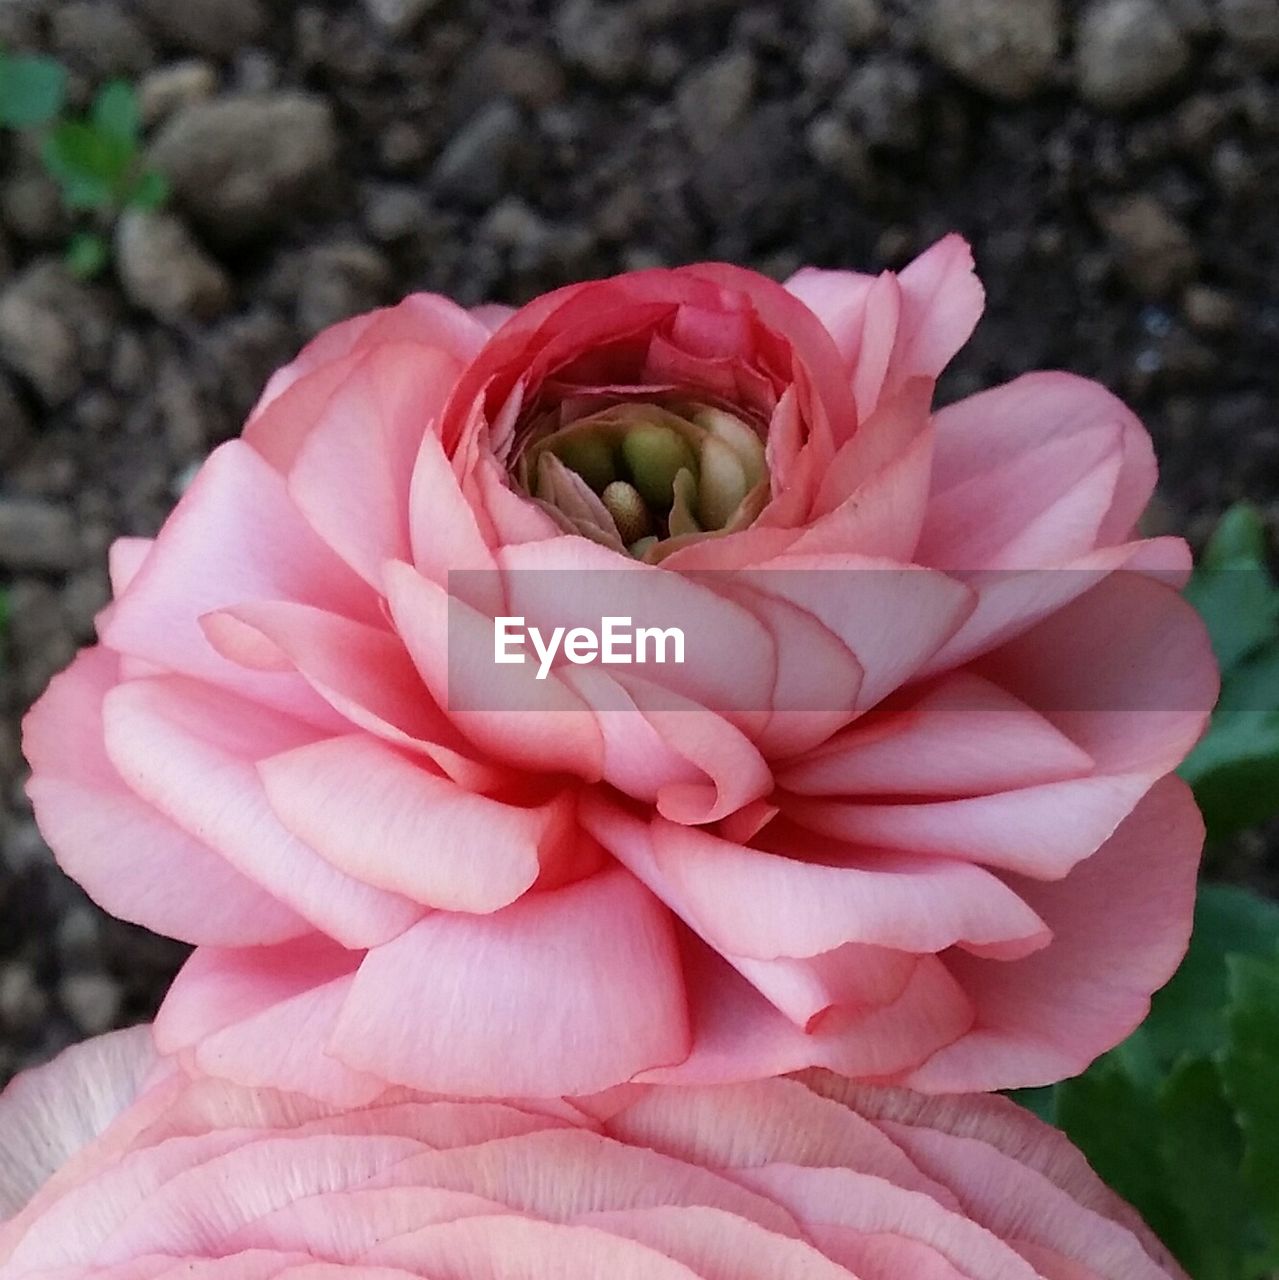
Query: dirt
(1116, 166)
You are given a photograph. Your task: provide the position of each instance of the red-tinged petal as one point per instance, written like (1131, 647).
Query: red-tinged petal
(386, 821)
(239, 506)
(1049, 1015)
(190, 752)
(504, 709)
(964, 736)
(176, 884)
(351, 476)
(539, 998)
(443, 527)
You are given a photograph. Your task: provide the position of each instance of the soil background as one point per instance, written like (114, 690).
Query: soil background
(1115, 165)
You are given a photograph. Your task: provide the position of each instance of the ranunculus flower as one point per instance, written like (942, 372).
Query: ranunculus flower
(773, 1180)
(903, 813)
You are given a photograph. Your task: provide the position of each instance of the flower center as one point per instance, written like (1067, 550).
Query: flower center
(636, 475)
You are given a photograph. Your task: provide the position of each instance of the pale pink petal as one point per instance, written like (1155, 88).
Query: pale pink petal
(499, 999)
(1000, 454)
(1048, 1016)
(964, 736)
(388, 822)
(190, 752)
(238, 506)
(175, 884)
(504, 709)
(50, 1113)
(351, 477)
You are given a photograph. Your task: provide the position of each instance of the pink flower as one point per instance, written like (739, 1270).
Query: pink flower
(773, 1180)
(903, 813)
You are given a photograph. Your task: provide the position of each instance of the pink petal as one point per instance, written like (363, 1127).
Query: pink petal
(351, 477)
(190, 752)
(87, 813)
(505, 710)
(388, 822)
(210, 554)
(50, 1113)
(539, 998)
(1002, 454)
(964, 736)
(1049, 1015)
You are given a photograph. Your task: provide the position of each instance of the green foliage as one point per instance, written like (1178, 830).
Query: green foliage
(96, 160)
(1235, 769)
(1183, 1118)
(32, 90)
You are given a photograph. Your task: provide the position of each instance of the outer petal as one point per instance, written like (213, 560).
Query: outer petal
(50, 1113)
(540, 998)
(170, 881)
(1048, 1016)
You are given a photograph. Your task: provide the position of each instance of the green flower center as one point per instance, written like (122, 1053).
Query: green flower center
(637, 476)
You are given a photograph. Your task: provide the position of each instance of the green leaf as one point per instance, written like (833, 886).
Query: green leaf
(1250, 1067)
(32, 90)
(1188, 1017)
(150, 191)
(115, 113)
(1240, 535)
(1200, 1149)
(91, 166)
(87, 254)
(1039, 1102)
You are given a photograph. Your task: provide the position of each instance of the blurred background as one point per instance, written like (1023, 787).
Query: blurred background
(220, 179)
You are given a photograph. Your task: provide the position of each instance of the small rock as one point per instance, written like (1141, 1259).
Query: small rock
(92, 999)
(1154, 251)
(165, 90)
(475, 165)
(23, 848)
(399, 17)
(606, 41)
(83, 597)
(836, 147)
(37, 535)
(33, 208)
(714, 98)
(1209, 310)
(1127, 52)
(164, 271)
(1252, 26)
(883, 101)
(858, 22)
(246, 165)
(102, 37)
(339, 281)
(181, 412)
(23, 1005)
(15, 425)
(78, 938)
(41, 315)
(1004, 47)
(393, 213)
(215, 27)
(524, 73)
